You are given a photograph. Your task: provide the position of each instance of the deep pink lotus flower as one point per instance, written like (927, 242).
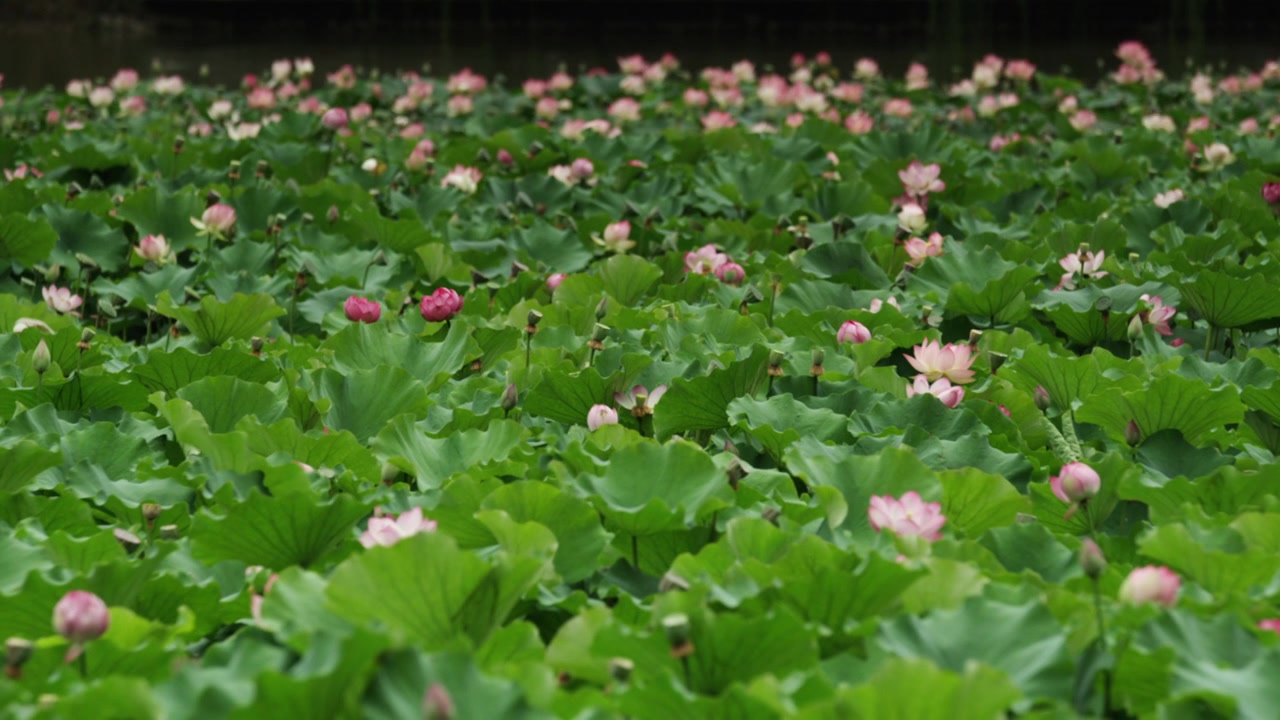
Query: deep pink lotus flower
(1273, 625)
(1271, 193)
(152, 247)
(1151, 584)
(335, 118)
(639, 400)
(730, 273)
(920, 179)
(359, 309)
(908, 517)
(61, 299)
(1159, 315)
(704, 260)
(441, 305)
(80, 617)
(387, 531)
(948, 394)
(1075, 483)
(852, 331)
(920, 250)
(935, 361)
(599, 416)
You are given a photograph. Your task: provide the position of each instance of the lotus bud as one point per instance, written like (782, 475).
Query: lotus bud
(80, 617)
(996, 360)
(233, 172)
(620, 669)
(74, 190)
(151, 511)
(255, 345)
(1132, 433)
(17, 651)
(52, 274)
(41, 358)
(178, 144)
(1135, 327)
(437, 704)
(1092, 560)
(598, 336)
(263, 170)
(510, 396)
(86, 337)
(389, 473)
(602, 308)
(1041, 398)
(676, 628)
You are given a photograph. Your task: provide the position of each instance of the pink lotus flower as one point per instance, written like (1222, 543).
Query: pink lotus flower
(101, 97)
(152, 247)
(168, 85)
(599, 416)
(534, 88)
(263, 98)
(920, 179)
(504, 158)
(917, 77)
(1218, 155)
(125, 80)
(361, 112)
(547, 108)
(877, 304)
(1151, 584)
(730, 273)
(218, 218)
(936, 361)
(21, 172)
(80, 617)
(1020, 70)
(359, 309)
(460, 105)
(948, 394)
(441, 305)
(1087, 264)
(859, 123)
(693, 97)
(560, 82)
(1159, 315)
(463, 178)
(582, 169)
(1271, 193)
(908, 517)
(852, 331)
(1083, 120)
(624, 110)
(1272, 625)
(466, 81)
(554, 281)
(60, 299)
(717, 120)
(866, 69)
(639, 400)
(1075, 483)
(632, 64)
(704, 260)
(387, 531)
(335, 118)
(899, 108)
(617, 237)
(919, 250)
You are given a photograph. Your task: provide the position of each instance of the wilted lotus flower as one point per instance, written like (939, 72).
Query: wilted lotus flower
(1075, 484)
(919, 250)
(387, 531)
(441, 305)
(936, 361)
(80, 617)
(730, 273)
(639, 400)
(948, 394)
(463, 178)
(704, 260)
(359, 309)
(335, 118)
(1151, 584)
(1165, 199)
(617, 237)
(599, 416)
(61, 299)
(153, 247)
(908, 517)
(852, 331)
(1159, 315)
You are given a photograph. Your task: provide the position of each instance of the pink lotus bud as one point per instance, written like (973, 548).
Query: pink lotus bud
(80, 617)
(334, 118)
(504, 158)
(1075, 483)
(152, 247)
(219, 218)
(359, 309)
(361, 112)
(441, 305)
(1271, 193)
(437, 704)
(730, 273)
(1272, 625)
(582, 169)
(387, 531)
(554, 281)
(1092, 560)
(852, 331)
(601, 415)
(1041, 398)
(1151, 584)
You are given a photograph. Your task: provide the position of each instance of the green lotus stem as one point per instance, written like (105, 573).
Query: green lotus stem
(688, 676)
(635, 552)
(816, 390)
(82, 663)
(1102, 640)
(1209, 340)
(528, 344)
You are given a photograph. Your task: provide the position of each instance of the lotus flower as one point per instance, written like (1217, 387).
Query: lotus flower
(852, 331)
(1271, 193)
(359, 309)
(920, 250)
(599, 416)
(1075, 483)
(942, 389)
(335, 118)
(1272, 625)
(152, 247)
(61, 299)
(935, 361)
(908, 517)
(1087, 264)
(1151, 584)
(877, 304)
(463, 178)
(639, 400)
(1159, 315)
(730, 273)
(920, 179)
(1165, 199)
(911, 218)
(617, 237)
(217, 220)
(704, 260)
(80, 617)
(554, 280)
(125, 80)
(387, 531)
(441, 305)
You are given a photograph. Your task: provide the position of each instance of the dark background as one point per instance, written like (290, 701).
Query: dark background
(51, 41)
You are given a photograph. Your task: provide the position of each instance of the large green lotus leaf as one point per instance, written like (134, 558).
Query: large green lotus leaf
(974, 692)
(812, 296)
(295, 609)
(22, 461)
(223, 400)
(851, 196)
(922, 414)
(25, 241)
(257, 203)
(556, 248)
(1066, 379)
(1216, 559)
(112, 696)
(847, 262)
(215, 322)
(83, 392)
(1233, 301)
(575, 524)
(975, 282)
(326, 682)
(484, 452)
(143, 289)
(1214, 659)
(401, 236)
(360, 346)
(426, 590)
(155, 212)
(975, 501)
(1167, 453)
(702, 403)
(328, 450)
(171, 371)
(106, 446)
(1169, 402)
(712, 330)
(222, 680)
(567, 397)
(759, 183)
(892, 471)
(627, 278)
(403, 678)
(781, 420)
(1032, 547)
(18, 559)
(1024, 641)
(81, 232)
(365, 401)
(649, 488)
(276, 532)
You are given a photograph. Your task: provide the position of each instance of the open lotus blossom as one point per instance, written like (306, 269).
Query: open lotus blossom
(1086, 264)
(359, 309)
(387, 531)
(61, 299)
(911, 218)
(948, 394)
(920, 250)
(463, 178)
(1151, 584)
(20, 172)
(80, 616)
(217, 220)
(950, 361)
(717, 120)
(639, 400)
(441, 305)
(1273, 625)
(1165, 199)
(852, 331)
(599, 416)
(704, 260)
(1160, 123)
(1083, 120)
(1159, 315)
(616, 237)
(909, 516)
(920, 179)
(1218, 155)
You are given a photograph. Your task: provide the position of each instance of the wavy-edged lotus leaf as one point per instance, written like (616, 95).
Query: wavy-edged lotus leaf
(976, 282)
(782, 419)
(702, 403)
(276, 532)
(976, 691)
(25, 241)
(215, 322)
(1166, 403)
